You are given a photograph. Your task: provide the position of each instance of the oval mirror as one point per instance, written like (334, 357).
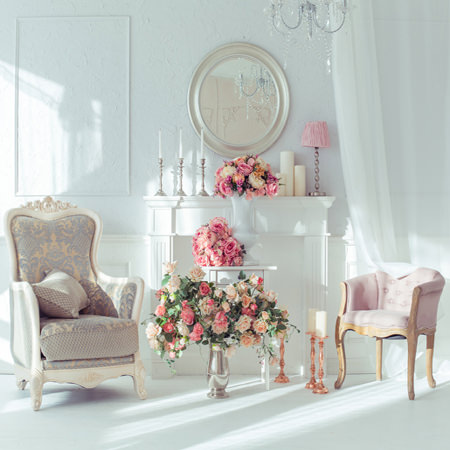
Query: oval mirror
(239, 96)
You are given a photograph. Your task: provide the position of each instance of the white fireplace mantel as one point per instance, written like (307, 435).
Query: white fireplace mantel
(302, 282)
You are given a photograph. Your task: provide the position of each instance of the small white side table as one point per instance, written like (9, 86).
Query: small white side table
(224, 275)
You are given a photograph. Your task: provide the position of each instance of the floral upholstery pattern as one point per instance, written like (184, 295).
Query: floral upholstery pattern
(99, 301)
(123, 296)
(86, 363)
(42, 245)
(88, 337)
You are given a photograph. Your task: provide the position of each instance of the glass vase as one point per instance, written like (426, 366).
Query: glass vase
(218, 372)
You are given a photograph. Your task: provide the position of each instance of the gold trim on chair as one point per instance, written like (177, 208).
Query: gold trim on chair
(48, 205)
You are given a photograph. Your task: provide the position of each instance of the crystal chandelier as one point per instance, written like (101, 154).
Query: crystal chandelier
(327, 15)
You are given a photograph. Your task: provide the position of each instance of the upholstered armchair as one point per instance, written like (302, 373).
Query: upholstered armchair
(381, 306)
(61, 343)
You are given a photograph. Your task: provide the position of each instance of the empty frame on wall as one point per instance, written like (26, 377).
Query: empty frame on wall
(72, 106)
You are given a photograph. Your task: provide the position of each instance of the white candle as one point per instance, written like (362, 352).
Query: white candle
(287, 167)
(160, 145)
(312, 320)
(202, 146)
(321, 323)
(282, 184)
(299, 181)
(181, 143)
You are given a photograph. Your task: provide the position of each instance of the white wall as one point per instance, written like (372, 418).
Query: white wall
(167, 41)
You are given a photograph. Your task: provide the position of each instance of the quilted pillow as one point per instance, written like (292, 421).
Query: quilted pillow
(60, 295)
(100, 302)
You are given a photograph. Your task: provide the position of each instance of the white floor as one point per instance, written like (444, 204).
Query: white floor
(177, 415)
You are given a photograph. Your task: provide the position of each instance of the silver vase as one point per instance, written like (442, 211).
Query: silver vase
(218, 373)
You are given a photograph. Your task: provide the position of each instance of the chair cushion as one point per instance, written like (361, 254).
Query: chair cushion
(100, 302)
(60, 295)
(377, 318)
(88, 337)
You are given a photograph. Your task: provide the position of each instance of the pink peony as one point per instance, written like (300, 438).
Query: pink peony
(231, 247)
(168, 327)
(196, 333)
(272, 189)
(204, 289)
(160, 310)
(225, 188)
(201, 260)
(219, 226)
(244, 169)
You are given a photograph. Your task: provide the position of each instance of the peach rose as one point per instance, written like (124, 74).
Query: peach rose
(253, 280)
(242, 287)
(256, 339)
(182, 328)
(218, 293)
(226, 306)
(160, 310)
(174, 284)
(247, 340)
(246, 300)
(196, 274)
(169, 267)
(244, 323)
(260, 326)
(265, 315)
(231, 292)
(256, 182)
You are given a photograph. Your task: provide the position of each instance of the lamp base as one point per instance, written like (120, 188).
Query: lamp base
(317, 194)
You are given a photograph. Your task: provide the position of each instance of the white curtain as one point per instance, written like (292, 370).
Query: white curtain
(392, 93)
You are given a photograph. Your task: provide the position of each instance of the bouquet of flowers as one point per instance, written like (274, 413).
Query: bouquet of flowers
(194, 311)
(214, 245)
(249, 175)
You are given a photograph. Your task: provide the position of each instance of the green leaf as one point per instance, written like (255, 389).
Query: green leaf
(242, 275)
(165, 280)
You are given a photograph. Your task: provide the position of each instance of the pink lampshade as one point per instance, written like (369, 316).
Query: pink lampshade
(316, 134)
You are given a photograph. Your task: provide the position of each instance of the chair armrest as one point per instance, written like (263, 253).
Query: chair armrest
(126, 293)
(25, 325)
(424, 306)
(361, 293)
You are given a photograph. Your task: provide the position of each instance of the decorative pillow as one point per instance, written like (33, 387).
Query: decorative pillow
(60, 295)
(100, 302)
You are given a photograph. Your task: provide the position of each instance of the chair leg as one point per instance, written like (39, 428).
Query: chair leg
(139, 378)
(36, 385)
(429, 359)
(379, 363)
(339, 337)
(412, 349)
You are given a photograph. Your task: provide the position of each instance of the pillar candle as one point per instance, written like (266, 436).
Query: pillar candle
(321, 323)
(312, 320)
(282, 184)
(287, 167)
(299, 181)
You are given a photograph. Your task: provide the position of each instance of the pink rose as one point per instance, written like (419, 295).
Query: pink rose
(231, 247)
(219, 225)
(172, 355)
(248, 311)
(244, 169)
(237, 261)
(272, 189)
(187, 315)
(220, 324)
(251, 161)
(196, 333)
(204, 289)
(201, 260)
(160, 310)
(168, 327)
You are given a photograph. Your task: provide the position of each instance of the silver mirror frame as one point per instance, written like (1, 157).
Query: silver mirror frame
(205, 66)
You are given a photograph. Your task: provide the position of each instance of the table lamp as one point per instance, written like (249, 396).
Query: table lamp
(316, 135)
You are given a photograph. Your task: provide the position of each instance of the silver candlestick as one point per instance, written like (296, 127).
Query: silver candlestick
(160, 191)
(203, 192)
(180, 191)
(316, 192)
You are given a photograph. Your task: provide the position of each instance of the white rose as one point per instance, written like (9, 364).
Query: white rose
(182, 328)
(196, 274)
(255, 181)
(169, 267)
(228, 171)
(152, 330)
(261, 162)
(174, 284)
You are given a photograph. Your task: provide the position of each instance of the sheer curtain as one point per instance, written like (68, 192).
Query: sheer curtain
(390, 75)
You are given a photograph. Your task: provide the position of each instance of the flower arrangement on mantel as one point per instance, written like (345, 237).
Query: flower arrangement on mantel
(191, 310)
(247, 175)
(214, 245)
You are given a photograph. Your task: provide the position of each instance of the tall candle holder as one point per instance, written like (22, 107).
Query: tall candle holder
(160, 191)
(281, 378)
(320, 388)
(311, 384)
(180, 191)
(203, 192)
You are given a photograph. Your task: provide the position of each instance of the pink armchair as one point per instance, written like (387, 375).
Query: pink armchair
(381, 306)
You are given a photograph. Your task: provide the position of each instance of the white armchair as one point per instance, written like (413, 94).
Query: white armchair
(46, 235)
